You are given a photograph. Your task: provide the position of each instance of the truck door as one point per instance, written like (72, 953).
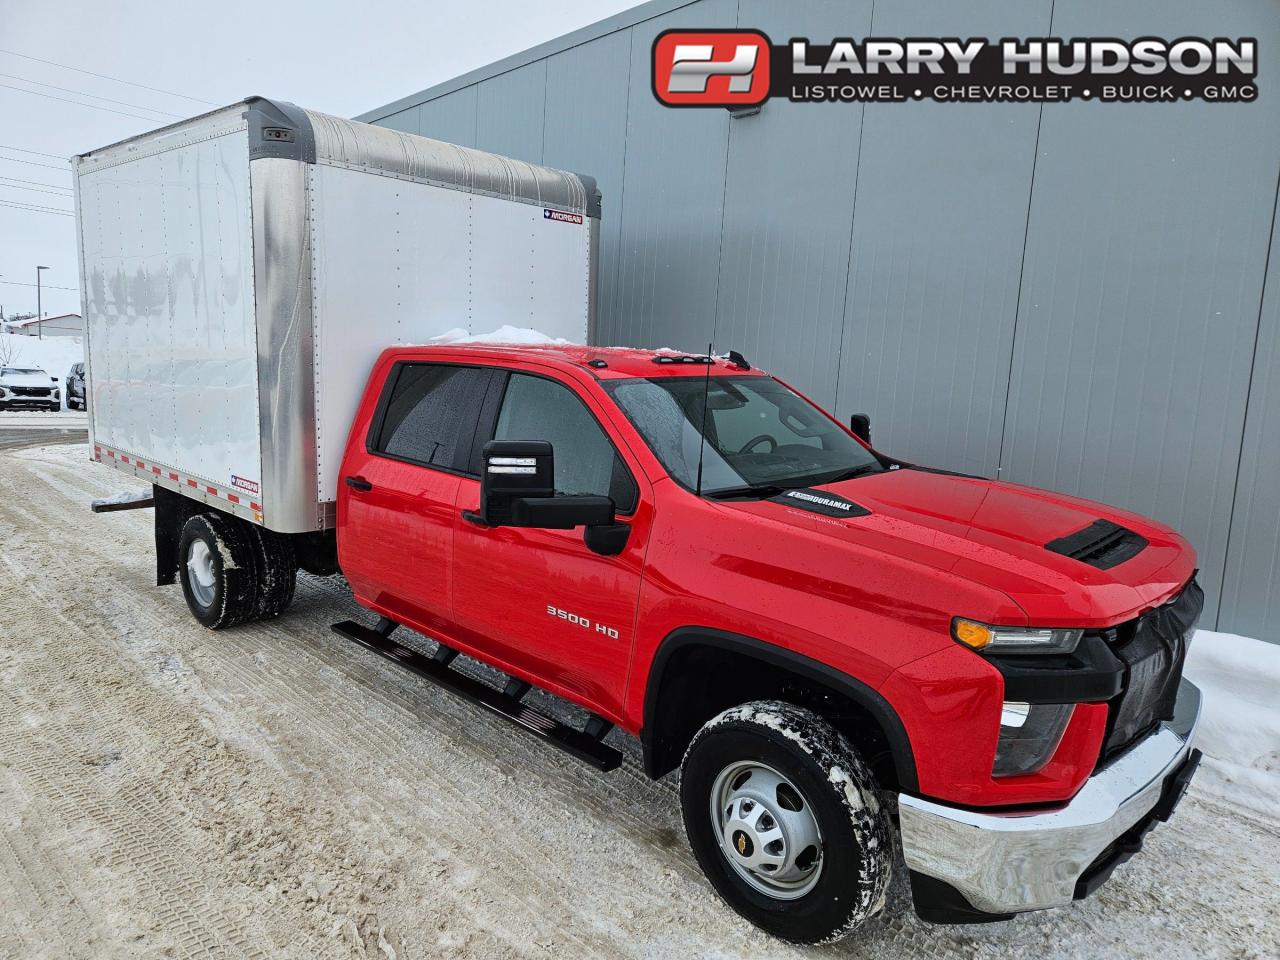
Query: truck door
(541, 600)
(397, 522)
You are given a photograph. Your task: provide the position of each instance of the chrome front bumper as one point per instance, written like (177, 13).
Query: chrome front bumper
(1003, 863)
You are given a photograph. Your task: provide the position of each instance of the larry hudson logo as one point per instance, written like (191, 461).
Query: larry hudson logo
(560, 216)
(740, 69)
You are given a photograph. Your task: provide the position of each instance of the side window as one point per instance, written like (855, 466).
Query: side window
(431, 414)
(585, 459)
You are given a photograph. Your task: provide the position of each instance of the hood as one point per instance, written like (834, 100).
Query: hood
(26, 380)
(995, 534)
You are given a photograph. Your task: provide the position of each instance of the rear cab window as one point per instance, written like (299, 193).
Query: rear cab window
(429, 414)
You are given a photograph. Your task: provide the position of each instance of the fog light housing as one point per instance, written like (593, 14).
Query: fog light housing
(1029, 735)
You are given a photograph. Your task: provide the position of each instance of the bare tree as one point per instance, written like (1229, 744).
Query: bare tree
(9, 349)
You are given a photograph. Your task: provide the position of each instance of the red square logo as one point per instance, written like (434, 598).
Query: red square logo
(711, 68)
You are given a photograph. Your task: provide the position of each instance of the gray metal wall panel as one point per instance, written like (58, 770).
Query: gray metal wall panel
(1141, 288)
(406, 121)
(509, 112)
(589, 135)
(451, 118)
(785, 246)
(937, 252)
(671, 205)
(1251, 586)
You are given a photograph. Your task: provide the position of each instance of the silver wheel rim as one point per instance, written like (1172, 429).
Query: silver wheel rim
(766, 830)
(200, 573)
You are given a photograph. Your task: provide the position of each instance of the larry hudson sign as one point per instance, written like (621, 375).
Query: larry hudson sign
(740, 69)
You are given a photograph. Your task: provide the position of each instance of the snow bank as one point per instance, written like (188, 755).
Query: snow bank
(55, 355)
(1240, 722)
(504, 334)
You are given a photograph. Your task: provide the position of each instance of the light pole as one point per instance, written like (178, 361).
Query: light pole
(39, 311)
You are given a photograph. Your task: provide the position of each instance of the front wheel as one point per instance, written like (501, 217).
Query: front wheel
(785, 820)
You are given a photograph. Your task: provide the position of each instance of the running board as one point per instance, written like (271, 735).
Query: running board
(584, 746)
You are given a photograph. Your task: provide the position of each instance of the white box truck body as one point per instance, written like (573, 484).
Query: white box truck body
(242, 270)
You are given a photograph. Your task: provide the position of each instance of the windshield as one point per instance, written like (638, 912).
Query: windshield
(760, 436)
(14, 371)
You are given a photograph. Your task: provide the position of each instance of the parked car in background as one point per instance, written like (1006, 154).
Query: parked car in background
(75, 387)
(28, 387)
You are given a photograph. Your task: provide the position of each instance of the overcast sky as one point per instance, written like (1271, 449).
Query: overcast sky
(342, 59)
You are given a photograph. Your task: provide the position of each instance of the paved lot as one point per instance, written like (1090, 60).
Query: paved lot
(24, 428)
(275, 791)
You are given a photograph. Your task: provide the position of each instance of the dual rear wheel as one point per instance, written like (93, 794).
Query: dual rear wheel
(234, 572)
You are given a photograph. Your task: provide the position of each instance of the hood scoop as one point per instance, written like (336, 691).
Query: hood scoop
(820, 501)
(1102, 544)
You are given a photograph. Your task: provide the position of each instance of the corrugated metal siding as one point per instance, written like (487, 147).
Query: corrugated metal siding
(1081, 317)
(1251, 587)
(1140, 293)
(937, 254)
(451, 118)
(509, 113)
(589, 135)
(785, 252)
(406, 121)
(672, 201)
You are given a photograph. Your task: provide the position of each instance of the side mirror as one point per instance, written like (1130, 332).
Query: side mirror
(517, 489)
(860, 426)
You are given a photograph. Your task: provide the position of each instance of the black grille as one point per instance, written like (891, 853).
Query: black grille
(1153, 649)
(1102, 544)
(30, 391)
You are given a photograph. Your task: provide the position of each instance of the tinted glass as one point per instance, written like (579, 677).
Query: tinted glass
(432, 413)
(585, 459)
(758, 433)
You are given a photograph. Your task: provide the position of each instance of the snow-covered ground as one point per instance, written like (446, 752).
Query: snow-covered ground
(276, 791)
(1240, 720)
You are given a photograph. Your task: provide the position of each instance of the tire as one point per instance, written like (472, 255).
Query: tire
(217, 570)
(794, 774)
(277, 571)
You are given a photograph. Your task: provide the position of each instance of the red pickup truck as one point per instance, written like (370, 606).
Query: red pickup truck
(835, 647)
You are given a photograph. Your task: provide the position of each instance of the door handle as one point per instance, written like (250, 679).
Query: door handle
(358, 483)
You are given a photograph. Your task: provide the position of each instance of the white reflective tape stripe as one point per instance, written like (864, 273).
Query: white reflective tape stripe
(493, 469)
(513, 461)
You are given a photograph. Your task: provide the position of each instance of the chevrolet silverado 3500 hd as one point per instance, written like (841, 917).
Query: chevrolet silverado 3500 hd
(833, 646)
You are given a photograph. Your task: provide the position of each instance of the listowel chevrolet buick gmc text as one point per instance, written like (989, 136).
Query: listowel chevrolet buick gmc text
(832, 645)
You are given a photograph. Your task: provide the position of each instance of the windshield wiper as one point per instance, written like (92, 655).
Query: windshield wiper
(761, 490)
(850, 474)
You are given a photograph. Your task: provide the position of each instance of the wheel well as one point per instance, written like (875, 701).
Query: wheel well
(696, 675)
(316, 552)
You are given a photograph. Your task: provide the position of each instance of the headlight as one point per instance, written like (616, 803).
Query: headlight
(1029, 734)
(57, 394)
(989, 639)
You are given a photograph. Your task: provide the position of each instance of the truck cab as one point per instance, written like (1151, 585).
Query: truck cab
(831, 644)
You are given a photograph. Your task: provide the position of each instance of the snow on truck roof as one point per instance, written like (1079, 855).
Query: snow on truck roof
(605, 362)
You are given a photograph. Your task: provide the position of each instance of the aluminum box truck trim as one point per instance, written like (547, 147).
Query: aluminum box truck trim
(242, 270)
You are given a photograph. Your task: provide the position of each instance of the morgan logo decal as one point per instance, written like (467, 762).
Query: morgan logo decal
(240, 483)
(702, 68)
(561, 216)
